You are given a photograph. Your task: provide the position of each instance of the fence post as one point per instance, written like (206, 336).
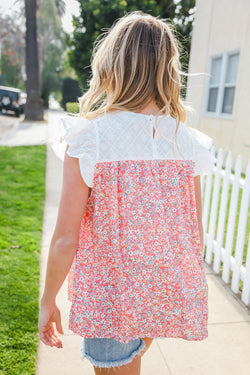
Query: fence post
(246, 286)
(231, 220)
(207, 196)
(214, 207)
(222, 213)
(241, 231)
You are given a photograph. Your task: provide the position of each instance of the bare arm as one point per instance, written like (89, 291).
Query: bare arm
(65, 238)
(197, 186)
(63, 246)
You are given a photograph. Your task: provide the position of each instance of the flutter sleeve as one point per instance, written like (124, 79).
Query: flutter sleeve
(202, 155)
(80, 135)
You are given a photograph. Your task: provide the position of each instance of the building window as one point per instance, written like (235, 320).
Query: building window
(222, 84)
(214, 84)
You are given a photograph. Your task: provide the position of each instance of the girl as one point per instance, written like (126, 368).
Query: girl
(129, 228)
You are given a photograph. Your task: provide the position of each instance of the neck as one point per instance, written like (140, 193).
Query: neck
(150, 109)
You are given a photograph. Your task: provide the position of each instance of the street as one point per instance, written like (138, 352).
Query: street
(8, 122)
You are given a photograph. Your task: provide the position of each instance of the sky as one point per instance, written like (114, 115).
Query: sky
(72, 8)
(6, 7)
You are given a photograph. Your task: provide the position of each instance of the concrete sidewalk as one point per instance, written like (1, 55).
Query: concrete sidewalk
(225, 351)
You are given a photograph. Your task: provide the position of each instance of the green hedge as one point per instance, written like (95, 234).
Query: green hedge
(71, 91)
(72, 107)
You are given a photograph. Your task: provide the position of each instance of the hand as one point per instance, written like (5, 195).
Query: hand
(50, 313)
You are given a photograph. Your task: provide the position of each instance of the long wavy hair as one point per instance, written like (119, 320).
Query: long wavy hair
(135, 61)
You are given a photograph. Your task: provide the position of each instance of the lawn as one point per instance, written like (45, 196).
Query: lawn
(22, 190)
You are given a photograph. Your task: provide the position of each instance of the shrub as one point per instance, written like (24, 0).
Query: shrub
(72, 107)
(70, 91)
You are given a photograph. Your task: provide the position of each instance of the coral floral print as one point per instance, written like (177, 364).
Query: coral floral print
(138, 271)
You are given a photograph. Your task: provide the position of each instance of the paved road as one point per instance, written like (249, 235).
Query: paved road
(7, 123)
(18, 132)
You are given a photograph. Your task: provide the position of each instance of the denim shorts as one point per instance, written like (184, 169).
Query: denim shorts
(106, 352)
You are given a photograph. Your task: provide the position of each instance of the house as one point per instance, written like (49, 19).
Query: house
(220, 92)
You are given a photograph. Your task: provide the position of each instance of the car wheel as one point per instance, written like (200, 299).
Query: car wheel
(17, 113)
(6, 100)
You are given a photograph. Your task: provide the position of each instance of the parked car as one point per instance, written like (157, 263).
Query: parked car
(10, 99)
(23, 99)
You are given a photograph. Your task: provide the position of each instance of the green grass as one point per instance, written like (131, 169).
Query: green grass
(22, 190)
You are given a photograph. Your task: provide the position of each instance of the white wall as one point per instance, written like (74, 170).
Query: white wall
(222, 26)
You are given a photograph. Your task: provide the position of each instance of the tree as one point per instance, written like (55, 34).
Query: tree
(52, 44)
(34, 104)
(184, 17)
(10, 69)
(70, 91)
(12, 51)
(60, 4)
(98, 15)
(51, 40)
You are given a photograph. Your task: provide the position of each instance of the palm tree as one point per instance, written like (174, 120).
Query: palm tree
(60, 4)
(34, 104)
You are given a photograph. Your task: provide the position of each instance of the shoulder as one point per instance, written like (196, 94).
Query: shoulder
(73, 124)
(199, 138)
(202, 145)
(79, 134)
(83, 123)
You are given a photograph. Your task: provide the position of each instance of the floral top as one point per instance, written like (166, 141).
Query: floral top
(138, 270)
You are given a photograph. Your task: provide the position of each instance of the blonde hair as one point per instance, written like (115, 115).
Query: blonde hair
(135, 61)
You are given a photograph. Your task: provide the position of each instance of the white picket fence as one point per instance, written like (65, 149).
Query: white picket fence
(229, 261)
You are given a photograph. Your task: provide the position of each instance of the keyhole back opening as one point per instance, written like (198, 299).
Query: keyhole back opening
(154, 133)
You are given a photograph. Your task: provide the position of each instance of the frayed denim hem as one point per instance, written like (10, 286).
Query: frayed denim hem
(110, 364)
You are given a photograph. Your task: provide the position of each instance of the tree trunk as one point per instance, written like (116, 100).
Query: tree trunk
(34, 103)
